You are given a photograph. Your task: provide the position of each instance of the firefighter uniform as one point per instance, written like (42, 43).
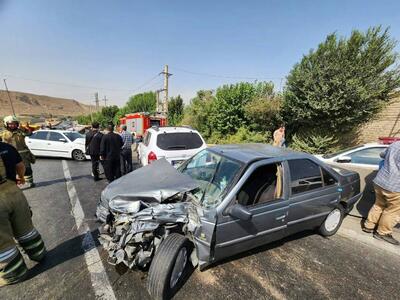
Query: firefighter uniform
(16, 138)
(15, 225)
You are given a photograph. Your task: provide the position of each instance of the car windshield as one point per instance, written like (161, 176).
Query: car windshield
(330, 155)
(72, 136)
(214, 173)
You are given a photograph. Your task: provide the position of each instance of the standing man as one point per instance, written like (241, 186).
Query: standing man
(15, 220)
(126, 151)
(110, 152)
(92, 143)
(279, 137)
(385, 213)
(15, 136)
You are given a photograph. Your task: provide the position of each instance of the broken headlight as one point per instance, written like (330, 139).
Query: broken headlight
(124, 207)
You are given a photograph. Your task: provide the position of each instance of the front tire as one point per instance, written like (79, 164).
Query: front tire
(78, 155)
(332, 222)
(168, 266)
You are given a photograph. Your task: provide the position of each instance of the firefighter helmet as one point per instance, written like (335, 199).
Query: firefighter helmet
(10, 119)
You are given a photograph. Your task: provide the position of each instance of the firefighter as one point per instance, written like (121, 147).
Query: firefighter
(15, 136)
(15, 220)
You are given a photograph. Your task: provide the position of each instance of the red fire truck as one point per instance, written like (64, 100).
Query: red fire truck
(141, 121)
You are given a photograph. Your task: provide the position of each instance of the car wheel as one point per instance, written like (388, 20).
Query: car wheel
(168, 266)
(332, 222)
(78, 155)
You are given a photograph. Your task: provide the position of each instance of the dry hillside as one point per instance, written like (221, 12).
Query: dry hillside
(38, 105)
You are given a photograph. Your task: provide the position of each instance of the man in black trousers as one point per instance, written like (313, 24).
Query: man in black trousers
(92, 142)
(110, 152)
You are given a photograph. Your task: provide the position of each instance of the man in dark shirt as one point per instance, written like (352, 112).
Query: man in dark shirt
(15, 220)
(92, 142)
(110, 151)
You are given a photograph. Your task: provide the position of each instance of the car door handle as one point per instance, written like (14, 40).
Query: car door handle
(280, 217)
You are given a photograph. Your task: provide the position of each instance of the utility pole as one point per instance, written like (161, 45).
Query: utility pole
(158, 108)
(96, 100)
(105, 101)
(9, 97)
(166, 75)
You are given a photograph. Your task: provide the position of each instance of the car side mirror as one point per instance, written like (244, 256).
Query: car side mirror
(62, 140)
(344, 159)
(240, 212)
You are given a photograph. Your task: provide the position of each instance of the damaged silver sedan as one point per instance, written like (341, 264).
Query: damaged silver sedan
(223, 201)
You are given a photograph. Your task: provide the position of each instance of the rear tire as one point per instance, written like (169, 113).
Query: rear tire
(78, 155)
(332, 222)
(168, 266)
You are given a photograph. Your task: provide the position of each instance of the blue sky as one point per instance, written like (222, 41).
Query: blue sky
(114, 47)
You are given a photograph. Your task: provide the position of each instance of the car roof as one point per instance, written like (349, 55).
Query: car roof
(250, 152)
(55, 130)
(171, 129)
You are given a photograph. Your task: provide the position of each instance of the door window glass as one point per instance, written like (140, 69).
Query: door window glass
(263, 185)
(55, 136)
(146, 139)
(370, 156)
(328, 178)
(305, 175)
(39, 135)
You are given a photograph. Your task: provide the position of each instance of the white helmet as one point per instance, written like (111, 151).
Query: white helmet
(10, 119)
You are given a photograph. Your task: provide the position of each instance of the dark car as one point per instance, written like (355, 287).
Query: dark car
(223, 201)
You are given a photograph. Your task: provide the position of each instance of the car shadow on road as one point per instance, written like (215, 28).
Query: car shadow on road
(58, 180)
(264, 248)
(62, 253)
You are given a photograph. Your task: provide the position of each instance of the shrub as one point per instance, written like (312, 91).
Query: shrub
(314, 142)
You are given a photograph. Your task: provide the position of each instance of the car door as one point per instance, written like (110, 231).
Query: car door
(37, 143)
(58, 145)
(262, 193)
(368, 157)
(314, 193)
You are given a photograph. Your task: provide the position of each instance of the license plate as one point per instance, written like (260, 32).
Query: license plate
(177, 162)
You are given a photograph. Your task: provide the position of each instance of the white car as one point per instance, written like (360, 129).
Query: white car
(57, 143)
(175, 144)
(367, 155)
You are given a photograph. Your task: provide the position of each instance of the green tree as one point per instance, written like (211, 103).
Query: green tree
(228, 111)
(144, 102)
(343, 83)
(175, 110)
(197, 113)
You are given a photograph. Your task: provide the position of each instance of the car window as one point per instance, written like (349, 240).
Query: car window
(72, 136)
(328, 178)
(39, 135)
(179, 141)
(263, 185)
(305, 175)
(369, 156)
(55, 136)
(330, 155)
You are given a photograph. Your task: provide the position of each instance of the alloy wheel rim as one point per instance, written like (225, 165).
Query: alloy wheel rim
(333, 220)
(78, 155)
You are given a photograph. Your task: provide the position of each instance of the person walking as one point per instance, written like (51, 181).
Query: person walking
(15, 136)
(126, 151)
(385, 213)
(15, 220)
(110, 152)
(279, 137)
(92, 143)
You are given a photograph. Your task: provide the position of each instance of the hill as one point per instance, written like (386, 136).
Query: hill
(26, 104)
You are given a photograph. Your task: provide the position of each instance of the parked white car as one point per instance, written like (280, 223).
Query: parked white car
(175, 144)
(367, 156)
(57, 143)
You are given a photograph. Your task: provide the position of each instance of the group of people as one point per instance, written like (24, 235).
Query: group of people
(112, 150)
(16, 225)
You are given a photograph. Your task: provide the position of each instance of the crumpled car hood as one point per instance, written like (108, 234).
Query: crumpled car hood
(157, 181)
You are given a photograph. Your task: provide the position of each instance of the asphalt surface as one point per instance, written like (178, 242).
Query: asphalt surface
(303, 266)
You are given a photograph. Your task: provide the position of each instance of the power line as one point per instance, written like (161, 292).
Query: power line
(224, 76)
(83, 86)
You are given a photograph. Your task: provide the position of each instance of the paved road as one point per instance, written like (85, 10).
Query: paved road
(303, 266)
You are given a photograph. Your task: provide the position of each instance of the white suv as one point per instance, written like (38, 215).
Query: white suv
(175, 144)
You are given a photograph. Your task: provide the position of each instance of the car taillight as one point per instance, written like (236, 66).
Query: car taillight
(151, 157)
